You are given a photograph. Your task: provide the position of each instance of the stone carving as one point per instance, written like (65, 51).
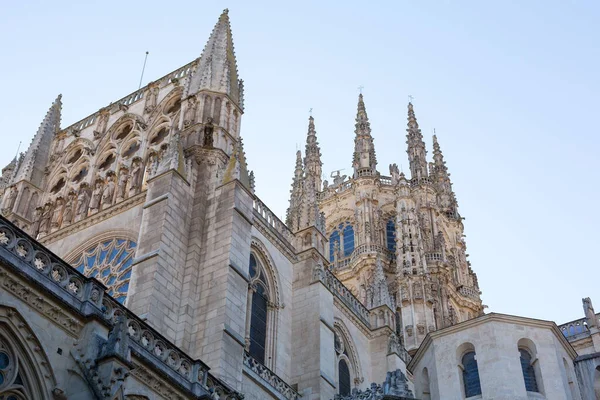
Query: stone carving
(96, 197)
(122, 185)
(151, 97)
(270, 378)
(102, 123)
(208, 139)
(109, 190)
(83, 199)
(421, 329)
(395, 173)
(409, 330)
(395, 384)
(190, 112)
(136, 175)
(57, 214)
(417, 291)
(67, 217)
(12, 197)
(590, 315)
(337, 179)
(45, 219)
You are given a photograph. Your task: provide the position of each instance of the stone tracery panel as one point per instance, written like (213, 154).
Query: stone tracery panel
(110, 262)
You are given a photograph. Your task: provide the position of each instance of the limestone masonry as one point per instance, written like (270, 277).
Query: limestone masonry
(137, 262)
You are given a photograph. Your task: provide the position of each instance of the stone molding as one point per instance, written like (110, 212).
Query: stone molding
(268, 379)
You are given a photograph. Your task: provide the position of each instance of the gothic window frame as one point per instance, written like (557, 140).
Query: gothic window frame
(25, 352)
(76, 259)
(266, 279)
(342, 230)
(530, 366)
(345, 350)
(469, 374)
(390, 235)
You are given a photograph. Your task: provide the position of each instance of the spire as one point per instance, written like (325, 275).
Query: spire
(237, 167)
(364, 161)
(416, 147)
(217, 67)
(312, 160)
(441, 179)
(293, 212)
(35, 159)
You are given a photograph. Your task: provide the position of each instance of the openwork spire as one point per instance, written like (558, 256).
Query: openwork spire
(381, 293)
(294, 210)
(312, 160)
(364, 161)
(217, 67)
(33, 162)
(441, 179)
(416, 147)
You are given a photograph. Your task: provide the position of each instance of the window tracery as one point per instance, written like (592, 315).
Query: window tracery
(13, 382)
(110, 262)
(347, 369)
(341, 241)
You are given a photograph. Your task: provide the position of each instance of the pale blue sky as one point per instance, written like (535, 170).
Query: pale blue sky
(511, 88)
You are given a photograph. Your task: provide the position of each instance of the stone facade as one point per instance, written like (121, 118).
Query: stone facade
(137, 262)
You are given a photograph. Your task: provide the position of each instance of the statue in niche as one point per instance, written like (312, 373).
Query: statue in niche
(45, 219)
(83, 199)
(136, 174)
(69, 205)
(208, 140)
(337, 179)
(590, 315)
(12, 197)
(151, 165)
(190, 112)
(57, 213)
(122, 185)
(102, 123)
(439, 241)
(108, 191)
(37, 214)
(96, 197)
(151, 98)
(417, 290)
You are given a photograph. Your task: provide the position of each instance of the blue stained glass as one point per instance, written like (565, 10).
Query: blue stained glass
(348, 240)
(344, 378)
(471, 375)
(390, 232)
(528, 371)
(252, 265)
(4, 360)
(333, 239)
(115, 258)
(1, 378)
(121, 300)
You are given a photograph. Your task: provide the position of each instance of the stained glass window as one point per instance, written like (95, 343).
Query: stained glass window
(110, 263)
(344, 378)
(390, 235)
(471, 375)
(259, 310)
(348, 233)
(528, 371)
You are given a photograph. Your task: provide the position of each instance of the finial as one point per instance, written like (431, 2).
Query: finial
(310, 112)
(226, 11)
(360, 89)
(410, 98)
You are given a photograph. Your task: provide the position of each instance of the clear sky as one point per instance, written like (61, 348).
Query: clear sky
(511, 88)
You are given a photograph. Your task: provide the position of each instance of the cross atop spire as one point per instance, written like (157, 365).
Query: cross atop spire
(217, 66)
(364, 160)
(35, 159)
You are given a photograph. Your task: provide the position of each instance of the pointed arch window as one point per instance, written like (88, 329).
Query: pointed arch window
(470, 374)
(110, 262)
(528, 371)
(348, 233)
(334, 244)
(390, 235)
(341, 241)
(15, 380)
(346, 365)
(261, 313)
(344, 378)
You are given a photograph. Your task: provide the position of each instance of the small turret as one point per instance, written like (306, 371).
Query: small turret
(441, 179)
(379, 288)
(312, 159)
(293, 212)
(364, 160)
(416, 147)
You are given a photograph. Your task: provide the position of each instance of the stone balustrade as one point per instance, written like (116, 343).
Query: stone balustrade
(270, 378)
(385, 180)
(269, 217)
(469, 292)
(88, 297)
(340, 291)
(574, 328)
(434, 256)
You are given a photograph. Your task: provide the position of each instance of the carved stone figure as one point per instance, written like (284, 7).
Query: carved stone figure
(151, 97)
(12, 197)
(96, 197)
(45, 219)
(37, 215)
(83, 199)
(136, 175)
(208, 140)
(190, 111)
(69, 209)
(590, 315)
(57, 213)
(122, 185)
(108, 191)
(102, 123)
(395, 173)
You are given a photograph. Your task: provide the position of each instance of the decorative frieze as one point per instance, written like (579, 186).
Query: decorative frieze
(270, 378)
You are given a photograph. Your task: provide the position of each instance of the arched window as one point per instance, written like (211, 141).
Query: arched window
(109, 262)
(528, 371)
(348, 233)
(15, 384)
(390, 235)
(344, 378)
(470, 374)
(262, 311)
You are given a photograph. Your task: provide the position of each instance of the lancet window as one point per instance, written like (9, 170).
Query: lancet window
(109, 262)
(390, 235)
(261, 321)
(345, 363)
(470, 374)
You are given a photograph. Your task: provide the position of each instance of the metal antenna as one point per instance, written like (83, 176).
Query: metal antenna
(143, 69)
(18, 148)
